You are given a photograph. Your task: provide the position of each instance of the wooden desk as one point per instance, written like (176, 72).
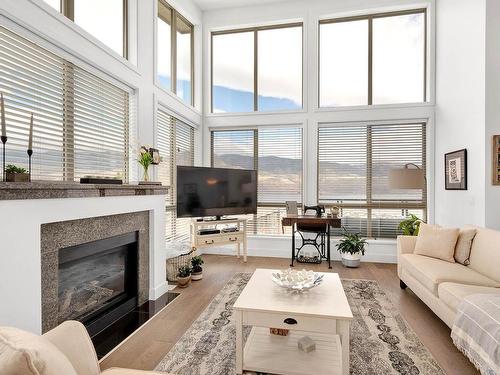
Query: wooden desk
(330, 222)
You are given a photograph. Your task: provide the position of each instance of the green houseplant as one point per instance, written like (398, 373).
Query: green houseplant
(410, 225)
(145, 159)
(351, 247)
(183, 276)
(197, 270)
(16, 174)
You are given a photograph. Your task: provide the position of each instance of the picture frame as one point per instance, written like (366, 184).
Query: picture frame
(495, 165)
(155, 154)
(455, 170)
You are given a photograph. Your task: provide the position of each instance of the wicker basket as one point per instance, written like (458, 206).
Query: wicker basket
(173, 264)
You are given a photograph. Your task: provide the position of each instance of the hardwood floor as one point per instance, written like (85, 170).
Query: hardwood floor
(144, 349)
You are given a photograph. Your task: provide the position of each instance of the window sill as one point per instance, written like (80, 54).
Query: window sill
(374, 107)
(255, 113)
(177, 98)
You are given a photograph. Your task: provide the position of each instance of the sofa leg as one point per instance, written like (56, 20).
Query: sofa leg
(402, 284)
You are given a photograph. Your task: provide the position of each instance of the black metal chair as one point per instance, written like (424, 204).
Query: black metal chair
(318, 242)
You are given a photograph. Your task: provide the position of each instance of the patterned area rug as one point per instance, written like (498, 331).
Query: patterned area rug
(381, 340)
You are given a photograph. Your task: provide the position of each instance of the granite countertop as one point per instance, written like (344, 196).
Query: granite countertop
(59, 189)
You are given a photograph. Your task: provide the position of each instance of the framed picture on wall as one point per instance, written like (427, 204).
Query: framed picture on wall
(455, 170)
(495, 166)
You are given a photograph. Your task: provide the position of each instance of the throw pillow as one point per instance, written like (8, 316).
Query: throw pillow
(436, 242)
(464, 244)
(22, 352)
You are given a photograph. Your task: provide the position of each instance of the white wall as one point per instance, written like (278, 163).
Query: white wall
(460, 109)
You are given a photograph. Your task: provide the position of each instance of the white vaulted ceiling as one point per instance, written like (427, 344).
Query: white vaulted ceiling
(217, 4)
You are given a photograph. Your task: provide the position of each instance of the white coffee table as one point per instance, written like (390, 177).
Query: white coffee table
(321, 313)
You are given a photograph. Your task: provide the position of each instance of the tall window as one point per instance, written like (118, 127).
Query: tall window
(276, 153)
(353, 169)
(106, 20)
(176, 146)
(257, 69)
(175, 52)
(375, 59)
(81, 122)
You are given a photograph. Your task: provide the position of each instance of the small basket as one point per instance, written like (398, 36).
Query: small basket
(173, 264)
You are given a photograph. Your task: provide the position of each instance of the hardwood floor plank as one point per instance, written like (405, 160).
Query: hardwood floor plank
(151, 343)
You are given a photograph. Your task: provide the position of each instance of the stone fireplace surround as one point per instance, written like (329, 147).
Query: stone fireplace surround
(26, 207)
(59, 235)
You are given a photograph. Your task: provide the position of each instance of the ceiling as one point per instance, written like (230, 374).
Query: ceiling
(218, 4)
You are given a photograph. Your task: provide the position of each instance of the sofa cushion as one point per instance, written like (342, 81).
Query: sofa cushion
(436, 242)
(485, 253)
(452, 293)
(24, 353)
(431, 272)
(464, 244)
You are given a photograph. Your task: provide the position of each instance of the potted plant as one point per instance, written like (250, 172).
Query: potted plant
(197, 271)
(183, 276)
(145, 159)
(410, 225)
(16, 174)
(351, 247)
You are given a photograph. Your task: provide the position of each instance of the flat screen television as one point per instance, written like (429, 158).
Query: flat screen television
(216, 192)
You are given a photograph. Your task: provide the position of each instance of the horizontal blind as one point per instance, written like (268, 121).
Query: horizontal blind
(81, 122)
(165, 144)
(233, 149)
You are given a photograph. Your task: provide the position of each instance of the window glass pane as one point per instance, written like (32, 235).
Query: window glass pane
(56, 4)
(280, 69)
(233, 74)
(184, 84)
(233, 149)
(164, 46)
(343, 75)
(102, 19)
(398, 59)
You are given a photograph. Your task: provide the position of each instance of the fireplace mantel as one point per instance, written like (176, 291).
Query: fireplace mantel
(57, 190)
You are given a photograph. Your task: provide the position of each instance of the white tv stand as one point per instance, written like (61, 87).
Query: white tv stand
(237, 238)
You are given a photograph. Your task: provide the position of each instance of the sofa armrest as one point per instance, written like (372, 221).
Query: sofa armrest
(73, 340)
(406, 244)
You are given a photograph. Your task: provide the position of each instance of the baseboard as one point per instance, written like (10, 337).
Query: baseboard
(160, 290)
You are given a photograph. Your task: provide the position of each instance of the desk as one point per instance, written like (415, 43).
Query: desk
(293, 220)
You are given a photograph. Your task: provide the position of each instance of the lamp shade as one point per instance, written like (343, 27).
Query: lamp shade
(406, 178)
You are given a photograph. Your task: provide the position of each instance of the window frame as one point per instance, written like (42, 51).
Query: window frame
(255, 31)
(173, 51)
(371, 203)
(370, 18)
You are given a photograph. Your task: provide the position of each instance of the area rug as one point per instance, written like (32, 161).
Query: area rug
(381, 340)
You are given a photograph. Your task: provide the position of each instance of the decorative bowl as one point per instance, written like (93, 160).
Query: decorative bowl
(297, 280)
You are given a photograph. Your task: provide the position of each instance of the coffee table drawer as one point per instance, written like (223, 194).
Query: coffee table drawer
(289, 321)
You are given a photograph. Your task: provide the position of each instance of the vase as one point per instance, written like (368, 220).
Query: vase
(145, 176)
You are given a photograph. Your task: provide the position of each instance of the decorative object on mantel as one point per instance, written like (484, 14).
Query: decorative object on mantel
(30, 146)
(197, 270)
(297, 281)
(184, 276)
(4, 135)
(155, 154)
(101, 180)
(16, 174)
(351, 247)
(455, 170)
(145, 159)
(495, 166)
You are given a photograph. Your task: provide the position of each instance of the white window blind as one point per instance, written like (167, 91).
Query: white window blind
(353, 169)
(81, 122)
(175, 141)
(276, 153)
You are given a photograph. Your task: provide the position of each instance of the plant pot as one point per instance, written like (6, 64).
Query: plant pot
(183, 282)
(351, 260)
(197, 275)
(17, 177)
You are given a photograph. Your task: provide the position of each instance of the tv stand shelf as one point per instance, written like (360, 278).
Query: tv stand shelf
(238, 237)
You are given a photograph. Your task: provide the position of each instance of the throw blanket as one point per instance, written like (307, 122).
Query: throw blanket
(476, 331)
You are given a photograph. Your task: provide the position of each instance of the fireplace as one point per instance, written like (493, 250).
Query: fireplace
(97, 281)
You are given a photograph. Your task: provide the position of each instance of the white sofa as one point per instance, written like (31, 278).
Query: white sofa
(442, 285)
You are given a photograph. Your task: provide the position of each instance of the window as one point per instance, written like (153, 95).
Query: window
(257, 69)
(375, 59)
(105, 20)
(276, 153)
(175, 52)
(176, 146)
(353, 169)
(81, 122)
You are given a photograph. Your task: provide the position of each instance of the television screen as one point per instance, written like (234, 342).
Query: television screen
(215, 191)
